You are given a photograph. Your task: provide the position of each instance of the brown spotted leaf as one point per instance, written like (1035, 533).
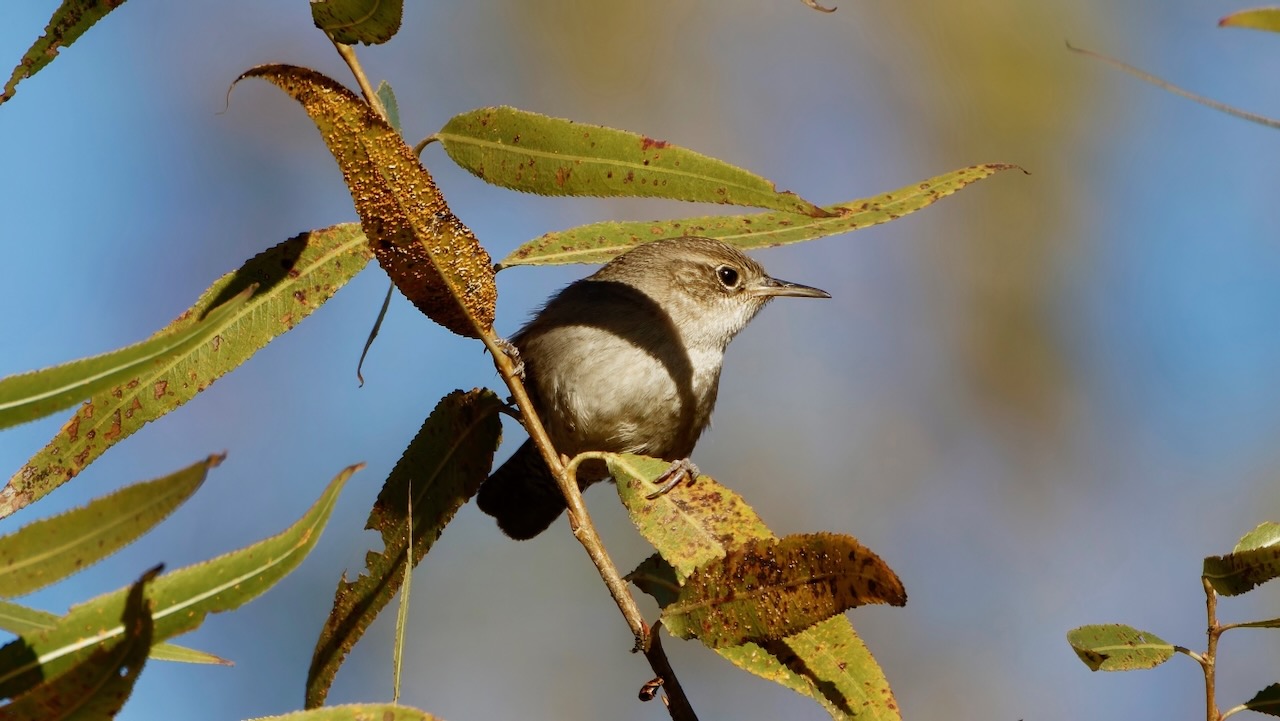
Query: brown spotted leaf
(442, 468)
(533, 153)
(68, 23)
(695, 523)
(98, 686)
(431, 256)
(599, 242)
(1255, 561)
(765, 590)
(293, 279)
(1117, 647)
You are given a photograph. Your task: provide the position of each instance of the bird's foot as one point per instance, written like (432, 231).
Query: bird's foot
(511, 351)
(675, 473)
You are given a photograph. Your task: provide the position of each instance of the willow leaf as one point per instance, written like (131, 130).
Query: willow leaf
(68, 23)
(599, 242)
(179, 600)
(293, 278)
(28, 396)
(51, 549)
(696, 523)
(24, 621)
(534, 153)
(433, 258)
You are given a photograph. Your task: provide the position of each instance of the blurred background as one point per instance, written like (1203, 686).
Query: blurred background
(1042, 400)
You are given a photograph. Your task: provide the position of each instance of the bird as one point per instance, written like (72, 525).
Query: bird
(628, 360)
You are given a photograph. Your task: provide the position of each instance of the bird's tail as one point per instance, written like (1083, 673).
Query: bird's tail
(522, 495)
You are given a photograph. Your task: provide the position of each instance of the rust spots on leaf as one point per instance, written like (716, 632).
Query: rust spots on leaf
(647, 143)
(562, 175)
(159, 388)
(72, 429)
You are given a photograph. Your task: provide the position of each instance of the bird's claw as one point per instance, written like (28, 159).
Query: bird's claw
(511, 351)
(672, 477)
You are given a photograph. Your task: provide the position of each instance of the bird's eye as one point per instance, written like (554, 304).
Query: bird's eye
(728, 276)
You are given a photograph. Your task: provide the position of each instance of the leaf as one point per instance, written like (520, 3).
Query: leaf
(433, 258)
(1165, 85)
(444, 465)
(1266, 701)
(356, 712)
(1265, 535)
(695, 523)
(49, 550)
(1256, 19)
(1237, 573)
(97, 687)
(1268, 623)
(765, 589)
(657, 578)
(179, 600)
(68, 23)
(293, 278)
(1116, 647)
(387, 97)
(28, 396)
(23, 621)
(533, 153)
(371, 22)
(599, 242)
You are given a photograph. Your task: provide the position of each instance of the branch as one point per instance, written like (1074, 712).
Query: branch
(583, 530)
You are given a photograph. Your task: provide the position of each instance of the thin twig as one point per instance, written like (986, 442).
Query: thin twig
(348, 54)
(579, 520)
(1209, 664)
(1166, 85)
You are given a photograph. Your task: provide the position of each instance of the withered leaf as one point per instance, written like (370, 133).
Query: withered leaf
(765, 590)
(431, 256)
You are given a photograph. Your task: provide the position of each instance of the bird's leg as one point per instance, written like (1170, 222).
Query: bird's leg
(675, 473)
(513, 353)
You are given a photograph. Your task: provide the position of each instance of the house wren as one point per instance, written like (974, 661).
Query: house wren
(628, 360)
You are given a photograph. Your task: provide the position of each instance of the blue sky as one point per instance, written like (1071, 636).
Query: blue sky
(1042, 400)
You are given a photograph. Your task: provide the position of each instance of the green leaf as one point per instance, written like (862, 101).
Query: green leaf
(1268, 623)
(24, 621)
(434, 259)
(1266, 534)
(49, 550)
(387, 97)
(600, 242)
(657, 578)
(695, 523)
(442, 467)
(97, 687)
(1266, 701)
(293, 278)
(1116, 647)
(1256, 19)
(1236, 573)
(766, 589)
(534, 153)
(179, 600)
(68, 23)
(356, 712)
(691, 525)
(36, 394)
(371, 22)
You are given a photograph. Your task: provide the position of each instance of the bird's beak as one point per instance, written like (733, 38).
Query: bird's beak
(770, 287)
